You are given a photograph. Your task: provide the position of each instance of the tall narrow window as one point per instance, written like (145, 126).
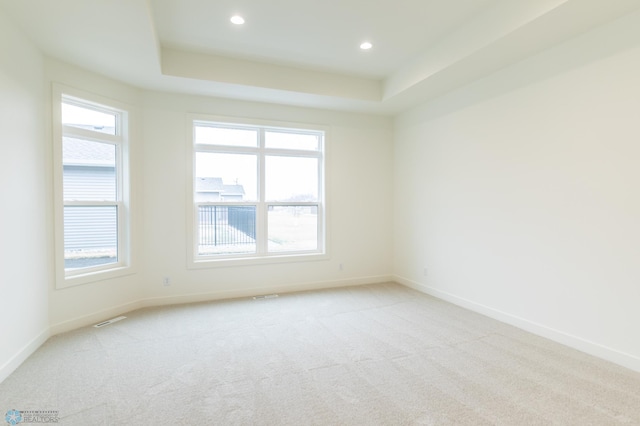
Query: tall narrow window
(93, 217)
(258, 191)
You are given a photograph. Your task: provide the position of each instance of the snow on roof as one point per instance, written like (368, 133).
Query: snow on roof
(79, 152)
(215, 184)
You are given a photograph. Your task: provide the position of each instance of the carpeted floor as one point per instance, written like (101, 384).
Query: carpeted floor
(368, 355)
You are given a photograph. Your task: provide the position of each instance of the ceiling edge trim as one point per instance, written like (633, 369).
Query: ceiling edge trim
(257, 74)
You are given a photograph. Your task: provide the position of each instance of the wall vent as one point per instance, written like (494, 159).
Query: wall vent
(107, 322)
(265, 296)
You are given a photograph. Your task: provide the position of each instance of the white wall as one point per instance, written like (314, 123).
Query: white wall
(84, 304)
(359, 198)
(519, 194)
(25, 244)
(359, 172)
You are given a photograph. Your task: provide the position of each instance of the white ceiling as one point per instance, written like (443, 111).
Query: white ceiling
(305, 52)
(313, 34)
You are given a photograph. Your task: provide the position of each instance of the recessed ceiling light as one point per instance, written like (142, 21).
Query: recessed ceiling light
(237, 19)
(366, 45)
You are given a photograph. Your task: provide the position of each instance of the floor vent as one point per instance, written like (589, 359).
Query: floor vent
(107, 322)
(265, 296)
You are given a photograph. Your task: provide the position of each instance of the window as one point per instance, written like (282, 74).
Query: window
(258, 191)
(92, 189)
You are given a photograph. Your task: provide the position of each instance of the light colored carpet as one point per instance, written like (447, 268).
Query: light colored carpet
(368, 355)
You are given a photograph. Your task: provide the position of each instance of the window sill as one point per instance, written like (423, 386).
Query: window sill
(205, 263)
(94, 276)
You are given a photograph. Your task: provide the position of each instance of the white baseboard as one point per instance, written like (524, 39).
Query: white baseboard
(107, 313)
(255, 291)
(114, 311)
(95, 317)
(617, 357)
(24, 353)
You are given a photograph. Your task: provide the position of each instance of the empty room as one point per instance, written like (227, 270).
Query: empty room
(326, 213)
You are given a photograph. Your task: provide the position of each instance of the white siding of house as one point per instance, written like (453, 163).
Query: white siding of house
(92, 228)
(89, 183)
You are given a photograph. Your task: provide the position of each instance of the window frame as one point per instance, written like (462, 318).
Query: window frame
(123, 266)
(262, 255)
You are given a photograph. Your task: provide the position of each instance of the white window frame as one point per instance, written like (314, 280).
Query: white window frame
(195, 260)
(123, 266)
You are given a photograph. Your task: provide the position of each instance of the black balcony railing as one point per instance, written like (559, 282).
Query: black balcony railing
(227, 225)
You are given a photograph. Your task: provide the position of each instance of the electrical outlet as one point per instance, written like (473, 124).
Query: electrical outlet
(341, 267)
(166, 282)
(424, 271)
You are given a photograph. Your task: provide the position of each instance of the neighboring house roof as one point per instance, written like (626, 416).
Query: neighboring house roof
(215, 184)
(76, 152)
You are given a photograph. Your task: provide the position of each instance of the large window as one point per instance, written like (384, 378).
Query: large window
(257, 191)
(91, 188)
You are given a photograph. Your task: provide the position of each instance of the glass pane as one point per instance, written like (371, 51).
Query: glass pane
(291, 178)
(90, 119)
(226, 230)
(293, 228)
(90, 236)
(226, 177)
(224, 136)
(292, 141)
(89, 170)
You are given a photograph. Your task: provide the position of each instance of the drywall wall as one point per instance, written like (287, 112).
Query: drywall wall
(93, 302)
(517, 196)
(358, 190)
(25, 245)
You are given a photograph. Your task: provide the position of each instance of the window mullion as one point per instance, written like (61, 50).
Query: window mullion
(226, 149)
(292, 153)
(121, 226)
(92, 135)
(293, 203)
(91, 203)
(261, 214)
(321, 224)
